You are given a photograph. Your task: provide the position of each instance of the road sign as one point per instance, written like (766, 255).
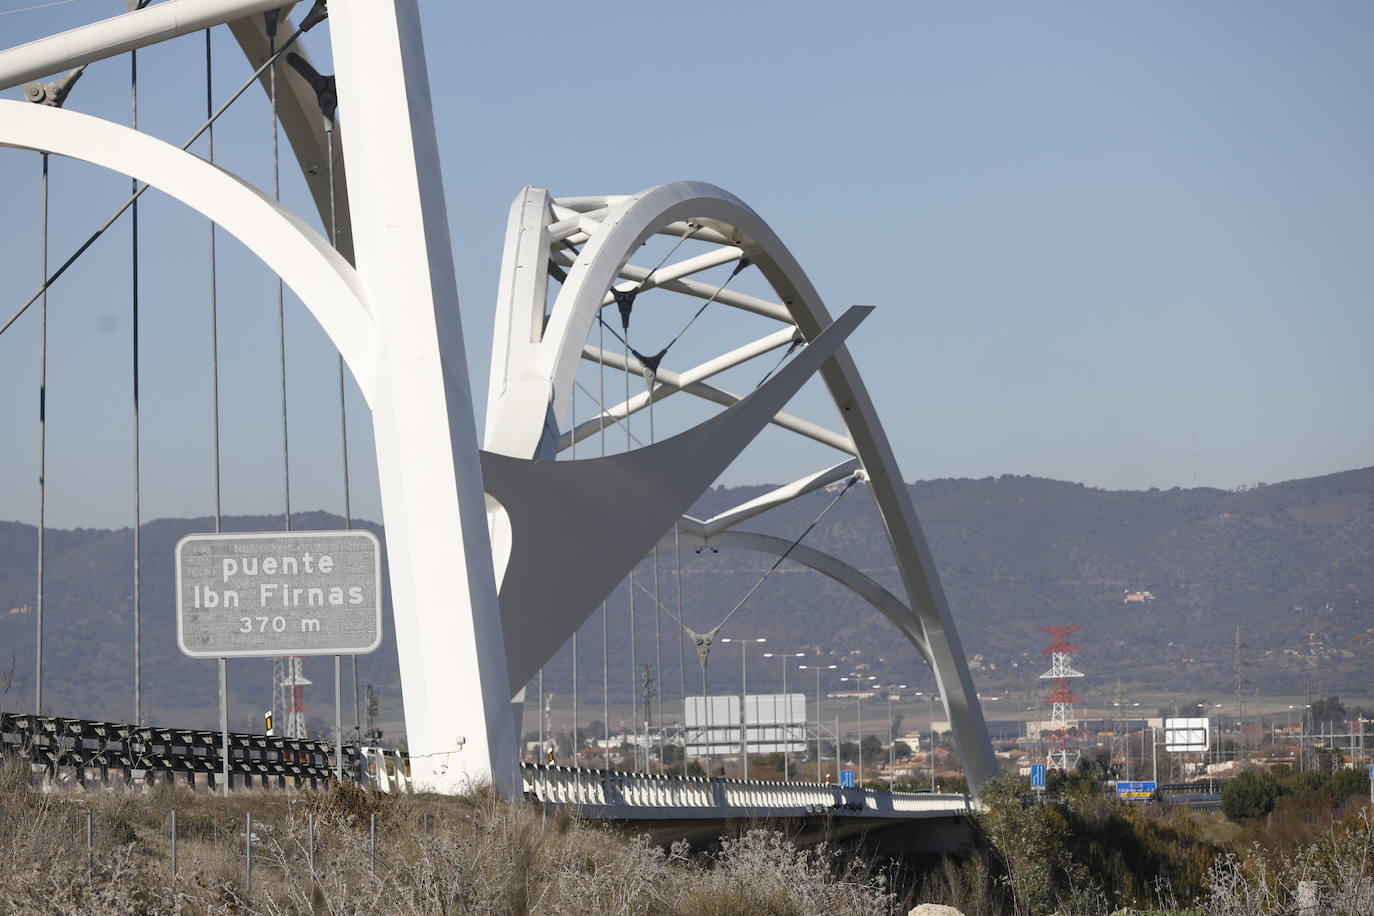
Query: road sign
(1187, 734)
(1135, 789)
(1371, 772)
(1038, 777)
(278, 593)
(847, 779)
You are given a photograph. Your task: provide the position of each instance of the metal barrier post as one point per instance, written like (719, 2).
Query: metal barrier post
(174, 861)
(248, 856)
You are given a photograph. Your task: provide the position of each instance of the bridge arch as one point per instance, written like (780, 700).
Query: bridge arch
(325, 282)
(867, 588)
(536, 354)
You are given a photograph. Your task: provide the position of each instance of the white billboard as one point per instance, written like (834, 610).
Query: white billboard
(1187, 734)
(776, 722)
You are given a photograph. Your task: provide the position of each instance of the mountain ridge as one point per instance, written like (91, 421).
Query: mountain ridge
(1291, 564)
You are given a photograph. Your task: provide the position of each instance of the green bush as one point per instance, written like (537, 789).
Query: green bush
(1255, 795)
(1249, 795)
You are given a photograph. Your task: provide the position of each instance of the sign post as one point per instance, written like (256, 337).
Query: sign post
(224, 717)
(277, 593)
(1371, 784)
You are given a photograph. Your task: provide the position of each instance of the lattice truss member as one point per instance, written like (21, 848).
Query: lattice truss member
(553, 538)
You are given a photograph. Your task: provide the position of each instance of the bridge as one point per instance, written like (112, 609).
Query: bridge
(500, 546)
(91, 756)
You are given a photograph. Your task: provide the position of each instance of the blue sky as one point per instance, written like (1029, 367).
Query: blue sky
(1094, 232)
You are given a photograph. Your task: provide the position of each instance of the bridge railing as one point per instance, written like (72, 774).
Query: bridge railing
(590, 790)
(85, 751)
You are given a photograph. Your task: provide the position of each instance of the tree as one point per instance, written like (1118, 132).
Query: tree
(896, 727)
(1096, 763)
(1328, 709)
(901, 749)
(872, 749)
(1248, 796)
(1345, 783)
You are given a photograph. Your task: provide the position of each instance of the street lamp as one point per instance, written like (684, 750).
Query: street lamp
(744, 696)
(858, 680)
(1127, 755)
(932, 698)
(891, 738)
(818, 669)
(787, 707)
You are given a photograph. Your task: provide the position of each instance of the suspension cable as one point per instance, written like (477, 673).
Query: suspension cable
(575, 743)
(634, 698)
(681, 658)
(214, 288)
(133, 253)
(54, 94)
(625, 301)
(658, 604)
(691, 231)
(605, 613)
(42, 443)
(739, 266)
(791, 547)
(314, 17)
(327, 98)
(285, 665)
(797, 341)
(271, 17)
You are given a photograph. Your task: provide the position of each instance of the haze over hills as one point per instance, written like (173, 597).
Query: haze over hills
(1291, 564)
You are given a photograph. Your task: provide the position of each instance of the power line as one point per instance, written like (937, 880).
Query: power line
(41, 6)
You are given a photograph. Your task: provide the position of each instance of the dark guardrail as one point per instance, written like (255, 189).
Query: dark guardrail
(85, 751)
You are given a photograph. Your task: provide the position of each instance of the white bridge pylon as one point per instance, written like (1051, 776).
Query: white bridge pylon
(388, 300)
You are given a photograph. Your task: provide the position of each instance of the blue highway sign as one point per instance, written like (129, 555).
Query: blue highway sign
(1038, 776)
(847, 779)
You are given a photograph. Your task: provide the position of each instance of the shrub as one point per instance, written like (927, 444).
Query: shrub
(1248, 795)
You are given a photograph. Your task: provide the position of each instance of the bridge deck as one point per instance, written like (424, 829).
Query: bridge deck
(642, 796)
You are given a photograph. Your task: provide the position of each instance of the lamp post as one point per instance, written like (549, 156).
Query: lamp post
(891, 738)
(858, 680)
(1125, 739)
(744, 696)
(932, 698)
(787, 707)
(818, 669)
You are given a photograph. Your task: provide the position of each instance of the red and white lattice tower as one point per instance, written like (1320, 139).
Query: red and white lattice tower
(1061, 699)
(288, 695)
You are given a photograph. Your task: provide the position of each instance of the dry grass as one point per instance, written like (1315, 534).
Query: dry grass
(1263, 883)
(481, 855)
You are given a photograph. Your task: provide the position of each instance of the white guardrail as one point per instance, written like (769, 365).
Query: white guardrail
(608, 793)
(643, 796)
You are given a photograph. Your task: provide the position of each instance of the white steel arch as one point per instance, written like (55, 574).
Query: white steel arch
(535, 356)
(325, 282)
(859, 583)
